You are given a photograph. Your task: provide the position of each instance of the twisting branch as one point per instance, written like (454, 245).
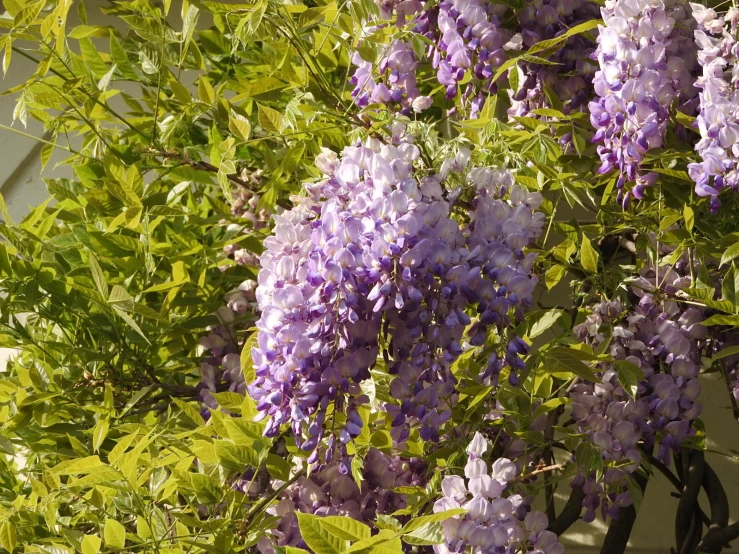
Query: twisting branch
(570, 513)
(719, 532)
(619, 531)
(693, 463)
(664, 470)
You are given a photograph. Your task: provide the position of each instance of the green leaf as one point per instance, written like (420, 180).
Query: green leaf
(278, 467)
(99, 432)
(545, 322)
(91, 544)
(190, 411)
(247, 364)
(720, 319)
(564, 251)
(428, 534)
(207, 489)
(569, 360)
(588, 255)
(418, 522)
(387, 522)
(292, 157)
(730, 287)
(92, 58)
(730, 253)
(237, 456)
(205, 91)
(131, 323)
(97, 275)
(554, 276)
(588, 458)
(105, 79)
(318, 538)
(189, 21)
(239, 125)
(81, 466)
(393, 546)
(689, 217)
(345, 528)
(229, 400)
(46, 151)
(725, 353)
(120, 58)
(630, 375)
(550, 405)
(384, 535)
(561, 39)
(269, 119)
(114, 534)
(5, 266)
(8, 536)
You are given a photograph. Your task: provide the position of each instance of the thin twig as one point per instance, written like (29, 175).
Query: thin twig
(545, 469)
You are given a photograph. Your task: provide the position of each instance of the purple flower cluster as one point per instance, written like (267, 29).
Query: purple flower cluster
(718, 120)
(570, 79)
(331, 492)
(468, 43)
(373, 257)
(468, 46)
(493, 523)
(645, 65)
(663, 338)
(480, 267)
(396, 86)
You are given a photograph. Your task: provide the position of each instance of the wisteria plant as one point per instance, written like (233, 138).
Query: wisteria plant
(384, 277)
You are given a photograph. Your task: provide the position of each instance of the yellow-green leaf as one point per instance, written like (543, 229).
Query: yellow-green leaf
(91, 544)
(588, 255)
(269, 119)
(114, 534)
(8, 536)
(99, 432)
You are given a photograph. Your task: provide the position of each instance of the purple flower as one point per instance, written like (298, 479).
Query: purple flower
(718, 120)
(646, 58)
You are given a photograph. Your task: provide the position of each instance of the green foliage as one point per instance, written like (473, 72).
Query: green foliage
(164, 115)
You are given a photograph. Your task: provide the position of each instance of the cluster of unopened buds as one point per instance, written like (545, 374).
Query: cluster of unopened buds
(494, 522)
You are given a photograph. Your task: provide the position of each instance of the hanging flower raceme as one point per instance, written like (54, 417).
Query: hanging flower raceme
(493, 522)
(371, 257)
(468, 45)
(571, 75)
(645, 65)
(479, 268)
(663, 338)
(718, 121)
(394, 83)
